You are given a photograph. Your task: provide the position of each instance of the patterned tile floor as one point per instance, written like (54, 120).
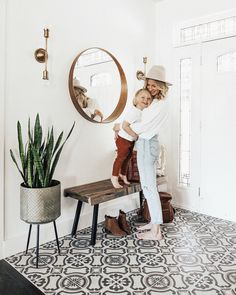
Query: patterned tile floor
(197, 256)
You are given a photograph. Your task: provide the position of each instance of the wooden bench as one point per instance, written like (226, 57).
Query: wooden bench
(99, 192)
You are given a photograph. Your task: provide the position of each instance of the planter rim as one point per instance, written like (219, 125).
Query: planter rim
(54, 183)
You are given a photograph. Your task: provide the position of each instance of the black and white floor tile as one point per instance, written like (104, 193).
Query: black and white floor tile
(197, 256)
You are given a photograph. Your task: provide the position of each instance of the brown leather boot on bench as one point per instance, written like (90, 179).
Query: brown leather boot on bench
(167, 209)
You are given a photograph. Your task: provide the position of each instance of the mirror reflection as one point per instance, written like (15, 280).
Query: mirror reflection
(89, 105)
(99, 85)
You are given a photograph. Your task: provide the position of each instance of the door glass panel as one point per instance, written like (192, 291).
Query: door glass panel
(185, 121)
(226, 62)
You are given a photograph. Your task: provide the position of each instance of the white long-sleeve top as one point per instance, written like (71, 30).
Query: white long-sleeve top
(133, 115)
(152, 119)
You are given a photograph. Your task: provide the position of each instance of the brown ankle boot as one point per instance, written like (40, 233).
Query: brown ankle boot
(111, 226)
(123, 223)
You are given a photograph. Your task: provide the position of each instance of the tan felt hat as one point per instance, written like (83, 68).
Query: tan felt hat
(76, 84)
(157, 73)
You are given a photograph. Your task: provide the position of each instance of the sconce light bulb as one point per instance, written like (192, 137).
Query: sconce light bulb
(46, 33)
(45, 75)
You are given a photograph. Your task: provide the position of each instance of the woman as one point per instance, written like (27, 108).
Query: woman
(148, 149)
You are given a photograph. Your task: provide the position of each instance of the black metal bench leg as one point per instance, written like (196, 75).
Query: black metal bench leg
(76, 219)
(28, 240)
(55, 229)
(94, 225)
(37, 247)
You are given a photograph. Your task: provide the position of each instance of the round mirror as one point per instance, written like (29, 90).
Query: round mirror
(97, 85)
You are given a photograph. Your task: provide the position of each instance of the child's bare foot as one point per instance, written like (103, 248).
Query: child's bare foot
(115, 183)
(124, 178)
(147, 226)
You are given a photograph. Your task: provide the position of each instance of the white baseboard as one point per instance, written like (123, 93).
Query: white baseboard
(181, 206)
(18, 243)
(177, 205)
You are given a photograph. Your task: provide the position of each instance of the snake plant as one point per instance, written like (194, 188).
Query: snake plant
(38, 157)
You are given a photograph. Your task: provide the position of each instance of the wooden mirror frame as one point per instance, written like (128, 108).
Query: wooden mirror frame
(123, 92)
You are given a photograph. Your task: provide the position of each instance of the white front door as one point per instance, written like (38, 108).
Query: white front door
(212, 87)
(218, 138)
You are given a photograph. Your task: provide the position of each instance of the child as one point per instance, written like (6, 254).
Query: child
(126, 137)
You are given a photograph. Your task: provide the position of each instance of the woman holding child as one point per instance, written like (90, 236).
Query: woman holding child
(146, 130)
(148, 149)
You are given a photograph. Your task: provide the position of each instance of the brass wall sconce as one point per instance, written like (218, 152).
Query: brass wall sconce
(41, 55)
(140, 75)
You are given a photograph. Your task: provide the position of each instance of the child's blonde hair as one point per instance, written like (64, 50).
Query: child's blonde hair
(137, 94)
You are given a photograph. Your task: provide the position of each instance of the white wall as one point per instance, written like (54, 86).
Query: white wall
(170, 13)
(120, 26)
(2, 135)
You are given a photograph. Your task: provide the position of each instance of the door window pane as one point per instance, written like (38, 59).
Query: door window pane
(226, 62)
(185, 121)
(208, 31)
(100, 79)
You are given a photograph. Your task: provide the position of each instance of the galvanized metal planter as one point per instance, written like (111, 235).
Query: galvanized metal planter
(40, 205)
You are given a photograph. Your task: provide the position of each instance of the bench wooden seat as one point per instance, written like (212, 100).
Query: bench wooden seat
(100, 192)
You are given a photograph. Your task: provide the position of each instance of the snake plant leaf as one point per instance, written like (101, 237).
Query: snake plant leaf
(29, 167)
(42, 148)
(37, 133)
(44, 154)
(54, 164)
(69, 133)
(36, 179)
(25, 168)
(58, 142)
(29, 131)
(21, 146)
(14, 160)
(57, 156)
(48, 158)
(38, 165)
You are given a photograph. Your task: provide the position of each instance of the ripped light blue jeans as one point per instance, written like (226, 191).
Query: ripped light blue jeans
(147, 155)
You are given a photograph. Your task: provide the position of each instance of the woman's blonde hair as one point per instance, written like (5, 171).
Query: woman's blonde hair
(163, 88)
(137, 94)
